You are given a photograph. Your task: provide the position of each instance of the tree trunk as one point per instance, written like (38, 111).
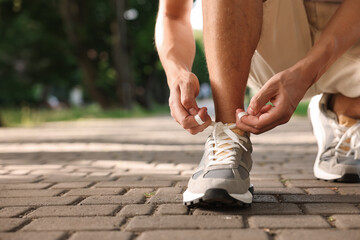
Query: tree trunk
(71, 16)
(121, 58)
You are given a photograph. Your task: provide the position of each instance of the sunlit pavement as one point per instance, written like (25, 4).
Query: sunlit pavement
(123, 179)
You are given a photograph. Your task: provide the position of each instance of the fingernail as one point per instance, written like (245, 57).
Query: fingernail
(251, 111)
(192, 111)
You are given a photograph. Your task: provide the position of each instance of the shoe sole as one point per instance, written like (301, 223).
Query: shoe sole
(320, 136)
(219, 197)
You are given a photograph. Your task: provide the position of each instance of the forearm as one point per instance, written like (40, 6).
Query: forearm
(175, 43)
(342, 31)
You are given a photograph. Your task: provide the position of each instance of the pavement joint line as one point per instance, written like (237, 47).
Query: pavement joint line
(22, 225)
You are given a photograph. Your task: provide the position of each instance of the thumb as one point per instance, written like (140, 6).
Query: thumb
(259, 101)
(188, 97)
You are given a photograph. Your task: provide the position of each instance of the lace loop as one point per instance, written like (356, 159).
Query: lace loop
(224, 143)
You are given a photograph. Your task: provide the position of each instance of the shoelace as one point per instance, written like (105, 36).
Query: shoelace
(342, 134)
(223, 143)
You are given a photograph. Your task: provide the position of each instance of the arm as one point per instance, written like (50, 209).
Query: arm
(286, 89)
(176, 47)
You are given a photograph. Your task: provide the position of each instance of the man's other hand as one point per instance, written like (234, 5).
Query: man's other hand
(183, 106)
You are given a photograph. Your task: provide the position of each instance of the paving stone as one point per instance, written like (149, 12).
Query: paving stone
(95, 191)
(24, 186)
(330, 208)
(74, 223)
(165, 198)
(169, 190)
(171, 209)
(319, 191)
(15, 186)
(69, 178)
(9, 224)
(328, 234)
(13, 211)
(74, 211)
(30, 193)
(264, 199)
(136, 210)
(33, 235)
(142, 223)
(320, 198)
(228, 234)
(136, 184)
(34, 166)
(134, 196)
(347, 221)
(18, 179)
(255, 209)
(20, 172)
(69, 185)
(286, 190)
(265, 184)
(317, 183)
(289, 221)
(302, 176)
(349, 190)
(37, 201)
(103, 235)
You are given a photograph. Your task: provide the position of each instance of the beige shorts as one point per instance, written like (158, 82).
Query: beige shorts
(289, 30)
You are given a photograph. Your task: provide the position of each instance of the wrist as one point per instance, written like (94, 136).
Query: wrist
(316, 61)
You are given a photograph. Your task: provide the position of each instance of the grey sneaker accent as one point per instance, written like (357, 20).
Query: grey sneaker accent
(220, 173)
(197, 174)
(244, 174)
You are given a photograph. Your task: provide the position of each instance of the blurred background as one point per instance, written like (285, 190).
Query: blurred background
(70, 59)
(73, 59)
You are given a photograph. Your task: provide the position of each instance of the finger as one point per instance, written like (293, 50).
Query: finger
(244, 127)
(199, 115)
(260, 99)
(265, 109)
(207, 121)
(265, 120)
(189, 91)
(182, 116)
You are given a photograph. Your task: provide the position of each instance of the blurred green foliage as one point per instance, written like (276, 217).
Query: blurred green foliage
(28, 117)
(47, 47)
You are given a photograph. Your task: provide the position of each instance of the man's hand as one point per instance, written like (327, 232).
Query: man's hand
(183, 106)
(284, 90)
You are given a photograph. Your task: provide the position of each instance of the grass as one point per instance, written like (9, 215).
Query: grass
(301, 109)
(30, 117)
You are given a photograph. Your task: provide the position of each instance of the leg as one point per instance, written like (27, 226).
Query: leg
(343, 105)
(231, 33)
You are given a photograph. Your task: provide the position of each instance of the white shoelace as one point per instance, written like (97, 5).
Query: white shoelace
(342, 134)
(224, 143)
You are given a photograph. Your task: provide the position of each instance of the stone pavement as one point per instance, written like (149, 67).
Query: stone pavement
(123, 179)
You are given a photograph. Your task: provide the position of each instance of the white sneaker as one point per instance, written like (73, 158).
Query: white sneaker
(222, 177)
(338, 140)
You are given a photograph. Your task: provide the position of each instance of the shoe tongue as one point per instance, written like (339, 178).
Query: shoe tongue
(346, 121)
(236, 131)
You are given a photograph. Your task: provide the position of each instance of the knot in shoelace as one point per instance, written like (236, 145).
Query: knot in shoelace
(223, 144)
(348, 140)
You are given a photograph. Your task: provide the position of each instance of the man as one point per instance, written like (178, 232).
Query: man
(288, 50)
